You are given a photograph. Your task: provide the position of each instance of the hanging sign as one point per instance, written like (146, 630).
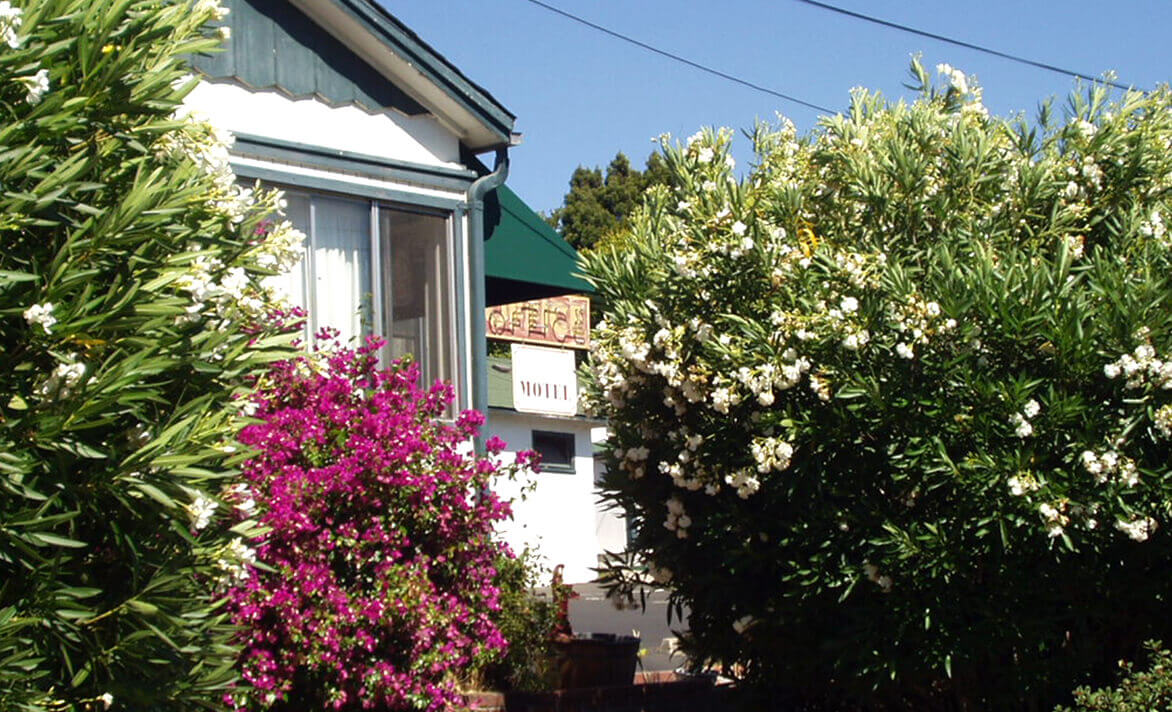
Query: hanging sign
(544, 380)
(557, 321)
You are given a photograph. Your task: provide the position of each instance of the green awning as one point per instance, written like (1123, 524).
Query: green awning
(525, 258)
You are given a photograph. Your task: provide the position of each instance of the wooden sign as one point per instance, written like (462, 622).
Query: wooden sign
(553, 321)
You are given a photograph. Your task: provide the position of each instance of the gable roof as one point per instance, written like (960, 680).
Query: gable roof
(353, 52)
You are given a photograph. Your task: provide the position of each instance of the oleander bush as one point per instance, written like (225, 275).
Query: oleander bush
(132, 309)
(892, 413)
(379, 585)
(1147, 690)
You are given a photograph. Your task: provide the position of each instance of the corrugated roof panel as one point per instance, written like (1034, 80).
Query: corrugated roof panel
(276, 46)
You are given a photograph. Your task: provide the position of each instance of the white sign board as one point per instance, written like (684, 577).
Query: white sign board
(544, 380)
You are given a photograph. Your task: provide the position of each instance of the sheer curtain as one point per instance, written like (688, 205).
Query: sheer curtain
(342, 266)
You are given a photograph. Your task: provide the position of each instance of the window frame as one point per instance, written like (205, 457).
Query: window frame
(451, 210)
(561, 468)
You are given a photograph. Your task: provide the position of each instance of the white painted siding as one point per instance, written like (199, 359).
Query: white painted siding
(560, 519)
(389, 134)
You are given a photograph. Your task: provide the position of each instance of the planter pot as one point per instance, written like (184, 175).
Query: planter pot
(597, 660)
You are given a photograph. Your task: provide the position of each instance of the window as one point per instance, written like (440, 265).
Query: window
(556, 449)
(377, 268)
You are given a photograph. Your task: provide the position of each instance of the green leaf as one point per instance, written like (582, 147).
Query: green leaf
(154, 493)
(46, 539)
(143, 607)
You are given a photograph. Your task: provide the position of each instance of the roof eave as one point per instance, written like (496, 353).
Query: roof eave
(480, 122)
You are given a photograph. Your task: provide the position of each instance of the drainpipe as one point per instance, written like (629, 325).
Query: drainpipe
(476, 192)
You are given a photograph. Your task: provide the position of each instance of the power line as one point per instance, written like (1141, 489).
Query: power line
(961, 43)
(683, 60)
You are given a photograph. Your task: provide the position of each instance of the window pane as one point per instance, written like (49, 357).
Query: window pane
(341, 267)
(556, 449)
(417, 290)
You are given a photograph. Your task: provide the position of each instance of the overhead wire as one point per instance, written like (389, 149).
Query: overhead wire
(962, 43)
(684, 60)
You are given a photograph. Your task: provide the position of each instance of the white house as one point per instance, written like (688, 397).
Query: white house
(375, 139)
(558, 514)
(374, 136)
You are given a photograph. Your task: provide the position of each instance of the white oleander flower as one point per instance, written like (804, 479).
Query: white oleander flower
(42, 315)
(36, 86)
(235, 560)
(1139, 529)
(64, 378)
(1022, 427)
(10, 21)
(217, 11)
(1023, 483)
(1162, 419)
(201, 510)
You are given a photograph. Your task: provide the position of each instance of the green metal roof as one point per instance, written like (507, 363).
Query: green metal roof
(525, 258)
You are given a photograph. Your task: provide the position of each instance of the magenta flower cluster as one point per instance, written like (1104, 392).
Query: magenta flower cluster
(376, 579)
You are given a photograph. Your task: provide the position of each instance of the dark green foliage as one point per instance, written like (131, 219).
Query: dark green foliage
(526, 619)
(598, 207)
(1149, 690)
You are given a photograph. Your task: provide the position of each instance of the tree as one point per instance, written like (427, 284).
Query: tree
(132, 309)
(893, 414)
(599, 207)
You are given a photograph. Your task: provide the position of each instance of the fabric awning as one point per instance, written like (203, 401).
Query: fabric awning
(525, 258)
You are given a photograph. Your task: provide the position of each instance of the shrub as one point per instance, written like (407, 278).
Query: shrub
(131, 308)
(1146, 691)
(526, 620)
(892, 413)
(379, 580)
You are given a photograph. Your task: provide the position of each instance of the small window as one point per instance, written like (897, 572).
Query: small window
(556, 449)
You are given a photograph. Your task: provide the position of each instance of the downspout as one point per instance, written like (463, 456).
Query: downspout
(476, 192)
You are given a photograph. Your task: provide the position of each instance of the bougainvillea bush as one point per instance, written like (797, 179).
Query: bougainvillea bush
(892, 414)
(380, 584)
(132, 306)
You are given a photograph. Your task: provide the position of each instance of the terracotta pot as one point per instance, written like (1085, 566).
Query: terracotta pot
(597, 660)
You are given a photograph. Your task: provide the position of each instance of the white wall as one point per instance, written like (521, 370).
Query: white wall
(390, 134)
(559, 519)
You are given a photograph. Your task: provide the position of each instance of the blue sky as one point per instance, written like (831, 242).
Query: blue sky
(581, 96)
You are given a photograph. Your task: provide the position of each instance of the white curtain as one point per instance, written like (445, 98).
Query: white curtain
(342, 266)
